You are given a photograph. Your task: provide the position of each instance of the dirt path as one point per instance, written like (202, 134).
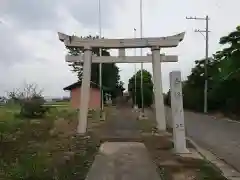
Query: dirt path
(121, 125)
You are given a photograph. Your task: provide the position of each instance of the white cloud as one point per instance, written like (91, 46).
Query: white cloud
(30, 50)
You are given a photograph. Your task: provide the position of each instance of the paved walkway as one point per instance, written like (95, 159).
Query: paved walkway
(122, 160)
(219, 136)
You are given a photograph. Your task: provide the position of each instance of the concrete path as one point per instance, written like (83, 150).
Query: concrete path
(219, 136)
(123, 161)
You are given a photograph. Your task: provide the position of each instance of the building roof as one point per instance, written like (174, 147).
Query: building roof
(79, 83)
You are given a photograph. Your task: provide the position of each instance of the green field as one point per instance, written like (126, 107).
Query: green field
(61, 103)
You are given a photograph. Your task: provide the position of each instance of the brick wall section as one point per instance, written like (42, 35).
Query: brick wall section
(94, 100)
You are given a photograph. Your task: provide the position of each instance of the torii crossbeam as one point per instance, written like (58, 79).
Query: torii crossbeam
(121, 59)
(164, 42)
(155, 43)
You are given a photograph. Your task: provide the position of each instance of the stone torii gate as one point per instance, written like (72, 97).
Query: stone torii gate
(156, 58)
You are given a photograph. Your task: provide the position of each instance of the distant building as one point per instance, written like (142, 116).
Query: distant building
(95, 94)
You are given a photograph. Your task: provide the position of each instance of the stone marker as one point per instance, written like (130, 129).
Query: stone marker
(177, 113)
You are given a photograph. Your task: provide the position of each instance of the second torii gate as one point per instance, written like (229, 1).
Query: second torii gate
(156, 58)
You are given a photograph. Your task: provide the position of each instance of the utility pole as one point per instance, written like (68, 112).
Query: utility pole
(100, 54)
(141, 35)
(206, 36)
(135, 77)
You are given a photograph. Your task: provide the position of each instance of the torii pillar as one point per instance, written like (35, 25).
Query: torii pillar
(85, 91)
(158, 93)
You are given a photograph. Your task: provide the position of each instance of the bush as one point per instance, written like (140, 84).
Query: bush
(30, 100)
(33, 107)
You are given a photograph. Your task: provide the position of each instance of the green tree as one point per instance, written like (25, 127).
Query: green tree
(110, 72)
(229, 57)
(226, 90)
(223, 78)
(147, 88)
(193, 88)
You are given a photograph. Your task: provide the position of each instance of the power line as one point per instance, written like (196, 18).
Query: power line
(206, 56)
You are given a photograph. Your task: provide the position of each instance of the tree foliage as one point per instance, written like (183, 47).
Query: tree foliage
(223, 79)
(110, 72)
(147, 88)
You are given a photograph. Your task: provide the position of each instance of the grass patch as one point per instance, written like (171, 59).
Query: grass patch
(61, 103)
(46, 148)
(8, 112)
(209, 172)
(63, 159)
(147, 126)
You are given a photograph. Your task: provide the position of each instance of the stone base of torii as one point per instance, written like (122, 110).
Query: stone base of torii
(156, 58)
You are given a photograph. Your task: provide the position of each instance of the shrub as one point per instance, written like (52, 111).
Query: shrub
(30, 100)
(33, 107)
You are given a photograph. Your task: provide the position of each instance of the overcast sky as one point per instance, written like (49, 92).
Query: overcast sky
(30, 51)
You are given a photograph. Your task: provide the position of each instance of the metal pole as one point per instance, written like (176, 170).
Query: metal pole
(206, 70)
(100, 54)
(135, 77)
(141, 35)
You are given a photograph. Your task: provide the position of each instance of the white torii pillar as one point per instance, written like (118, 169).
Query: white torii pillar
(158, 95)
(85, 91)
